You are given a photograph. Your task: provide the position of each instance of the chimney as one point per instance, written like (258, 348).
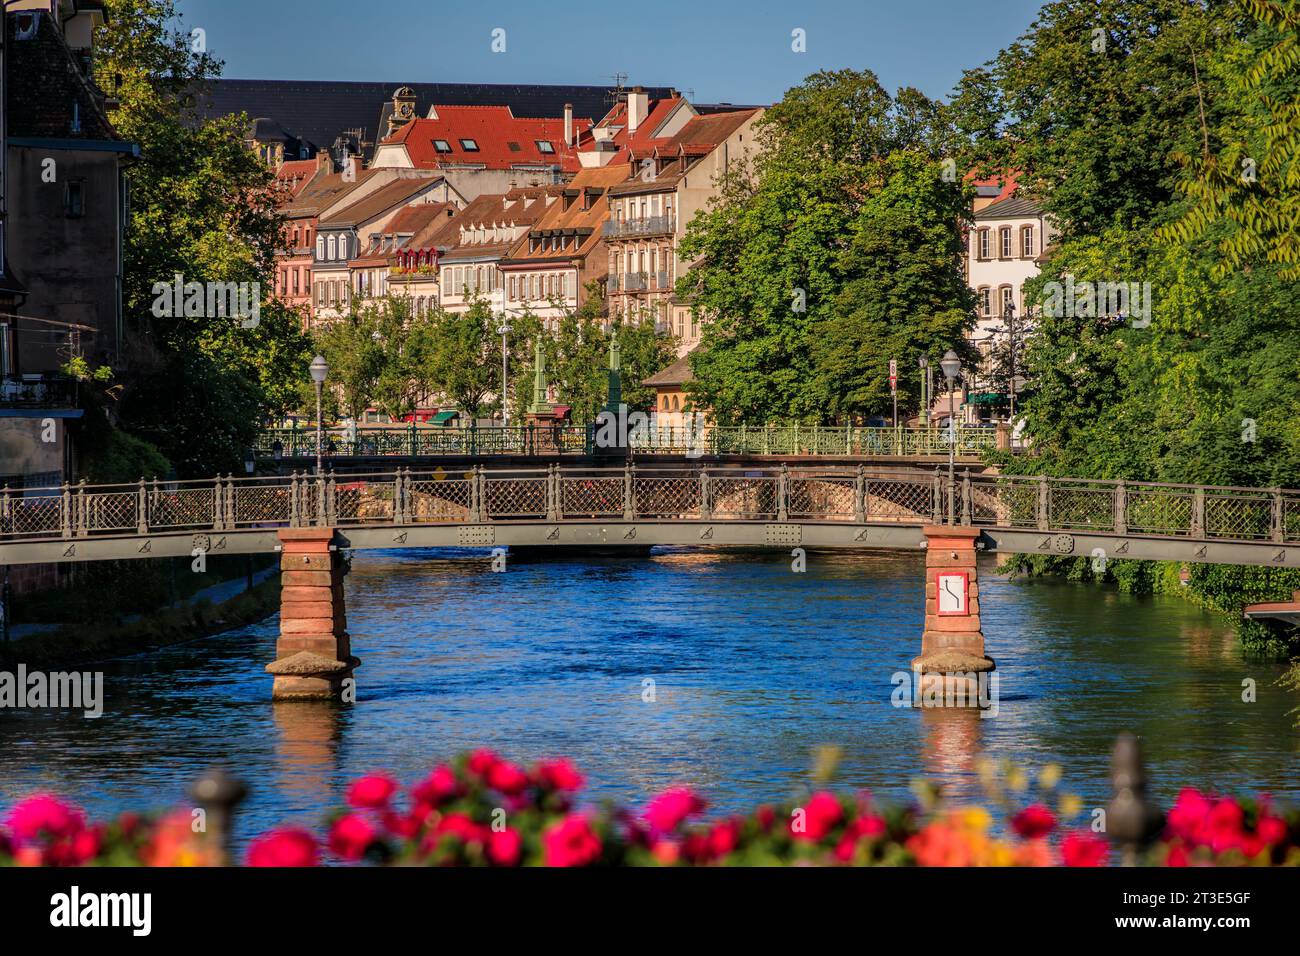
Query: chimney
(568, 124)
(638, 107)
(324, 161)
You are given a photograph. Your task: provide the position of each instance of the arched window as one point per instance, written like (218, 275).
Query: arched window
(320, 247)
(333, 247)
(1006, 297)
(1027, 242)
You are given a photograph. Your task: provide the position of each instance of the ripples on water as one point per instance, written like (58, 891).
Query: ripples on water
(753, 667)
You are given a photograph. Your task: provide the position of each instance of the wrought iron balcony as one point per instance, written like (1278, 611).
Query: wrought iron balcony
(649, 226)
(50, 392)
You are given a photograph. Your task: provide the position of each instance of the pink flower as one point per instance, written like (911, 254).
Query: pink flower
(289, 846)
(437, 788)
(461, 827)
(507, 778)
(1187, 818)
(482, 761)
(504, 848)
(1033, 822)
(822, 812)
(571, 842)
(351, 836)
(1084, 849)
(76, 850)
(372, 792)
(724, 838)
(44, 816)
(667, 811)
(1272, 830)
(558, 775)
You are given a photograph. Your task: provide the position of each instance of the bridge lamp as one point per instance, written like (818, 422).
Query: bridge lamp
(319, 369)
(951, 366)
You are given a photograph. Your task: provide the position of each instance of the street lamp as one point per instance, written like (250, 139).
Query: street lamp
(319, 369)
(924, 364)
(951, 366)
(503, 330)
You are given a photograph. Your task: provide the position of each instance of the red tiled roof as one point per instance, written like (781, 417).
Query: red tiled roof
(296, 175)
(493, 129)
(643, 141)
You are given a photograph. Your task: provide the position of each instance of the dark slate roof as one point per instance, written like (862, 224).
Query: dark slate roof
(679, 373)
(1015, 207)
(45, 81)
(319, 110)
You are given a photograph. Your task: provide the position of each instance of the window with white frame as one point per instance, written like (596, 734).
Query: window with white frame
(1027, 242)
(1005, 242)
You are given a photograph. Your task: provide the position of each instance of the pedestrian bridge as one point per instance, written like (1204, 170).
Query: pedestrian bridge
(772, 506)
(311, 519)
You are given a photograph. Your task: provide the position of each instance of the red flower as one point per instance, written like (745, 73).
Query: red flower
(1188, 817)
(351, 836)
(765, 817)
(1177, 856)
(44, 816)
(504, 848)
(438, 787)
(482, 761)
(1272, 830)
(1033, 822)
(868, 826)
(507, 778)
(1084, 849)
(819, 818)
(76, 850)
(289, 846)
(667, 811)
(461, 827)
(372, 792)
(571, 842)
(724, 838)
(558, 775)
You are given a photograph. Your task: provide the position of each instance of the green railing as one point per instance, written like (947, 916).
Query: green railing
(416, 441)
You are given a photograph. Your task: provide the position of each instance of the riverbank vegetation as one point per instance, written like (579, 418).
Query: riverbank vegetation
(482, 810)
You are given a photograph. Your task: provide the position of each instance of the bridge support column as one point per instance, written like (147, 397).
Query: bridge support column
(952, 656)
(313, 656)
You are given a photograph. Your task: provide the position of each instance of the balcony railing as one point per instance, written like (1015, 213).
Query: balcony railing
(649, 226)
(38, 393)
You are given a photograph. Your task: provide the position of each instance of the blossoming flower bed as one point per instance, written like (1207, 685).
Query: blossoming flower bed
(481, 810)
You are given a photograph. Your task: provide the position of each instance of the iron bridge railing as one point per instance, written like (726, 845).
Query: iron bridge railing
(432, 441)
(477, 495)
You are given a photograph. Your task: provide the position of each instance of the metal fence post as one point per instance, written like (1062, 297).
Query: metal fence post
(475, 502)
(1044, 499)
(82, 512)
(141, 508)
(783, 493)
(1278, 523)
(936, 499)
(1119, 507)
(966, 507)
(706, 493)
(295, 505)
(553, 487)
(230, 503)
(1132, 820)
(629, 503)
(65, 512)
(331, 501)
(399, 497)
(860, 496)
(1198, 513)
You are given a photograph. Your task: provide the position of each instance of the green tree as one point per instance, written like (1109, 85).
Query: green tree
(908, 296)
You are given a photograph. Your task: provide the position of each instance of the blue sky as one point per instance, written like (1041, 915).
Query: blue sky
(736, 51)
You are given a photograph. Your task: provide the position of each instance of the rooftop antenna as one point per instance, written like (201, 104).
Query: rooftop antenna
(618, 93)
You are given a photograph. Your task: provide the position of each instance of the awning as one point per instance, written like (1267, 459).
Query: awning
(442, 418)
(988, 398)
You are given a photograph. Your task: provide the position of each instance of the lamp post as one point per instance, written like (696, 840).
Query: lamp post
(319, 369)
(503, 330)
(951, 366)
(924, 364)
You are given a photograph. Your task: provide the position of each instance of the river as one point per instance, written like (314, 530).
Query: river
(753, 667)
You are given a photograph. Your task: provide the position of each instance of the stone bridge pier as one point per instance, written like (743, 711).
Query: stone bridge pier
(952, 646)
(313, 656)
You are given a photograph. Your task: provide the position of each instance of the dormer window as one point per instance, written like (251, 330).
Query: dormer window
(469, 145)
(544, 146)
(442, 146)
